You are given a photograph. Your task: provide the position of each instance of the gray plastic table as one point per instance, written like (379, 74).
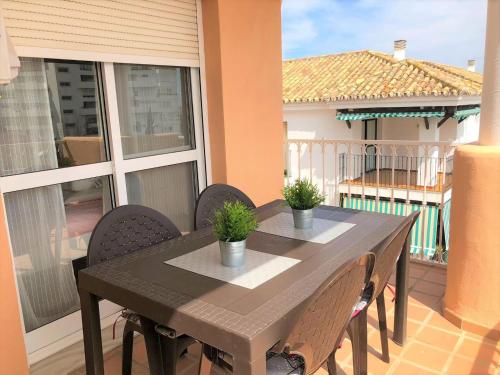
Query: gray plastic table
(242, 321)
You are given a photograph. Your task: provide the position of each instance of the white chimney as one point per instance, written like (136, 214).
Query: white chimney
(400, 49)
(471, 65)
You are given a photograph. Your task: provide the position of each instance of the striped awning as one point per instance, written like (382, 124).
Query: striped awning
(422, 238)
(372, 115)
(446, 223)
(464, 113)
(459, 114)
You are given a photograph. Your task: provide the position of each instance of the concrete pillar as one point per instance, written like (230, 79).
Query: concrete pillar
(428, 156)
(489, 132)
(242, 44)
(473, 280)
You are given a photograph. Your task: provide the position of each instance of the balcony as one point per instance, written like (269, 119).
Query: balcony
(387, 176)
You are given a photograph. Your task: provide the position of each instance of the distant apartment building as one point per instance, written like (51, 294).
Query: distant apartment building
(374, 95)
(377, 132)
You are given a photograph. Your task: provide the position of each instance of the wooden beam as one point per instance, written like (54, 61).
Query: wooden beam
(449, 112)
(426, 120)
(443, 120)
(348, 123)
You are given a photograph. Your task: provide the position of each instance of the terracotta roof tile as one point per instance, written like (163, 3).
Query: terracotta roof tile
(372, 75)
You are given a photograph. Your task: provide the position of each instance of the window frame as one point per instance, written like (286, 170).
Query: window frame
(53, 336)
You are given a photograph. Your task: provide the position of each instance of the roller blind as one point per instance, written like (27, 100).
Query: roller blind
(155, 28)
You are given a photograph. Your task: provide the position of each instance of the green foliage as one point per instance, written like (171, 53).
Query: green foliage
(302, 195)
(234, 222)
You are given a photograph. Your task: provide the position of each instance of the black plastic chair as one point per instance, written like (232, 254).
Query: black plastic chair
(385, 263)
(213, 198)
(122, 231)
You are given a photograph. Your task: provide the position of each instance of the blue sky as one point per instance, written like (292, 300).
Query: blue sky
(445, 31)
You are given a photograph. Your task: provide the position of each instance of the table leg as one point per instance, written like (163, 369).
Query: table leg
(153, 347)
(401, 307)
(91, 333)
(242, 367)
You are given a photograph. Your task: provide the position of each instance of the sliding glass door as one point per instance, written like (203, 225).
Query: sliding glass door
(76, 139)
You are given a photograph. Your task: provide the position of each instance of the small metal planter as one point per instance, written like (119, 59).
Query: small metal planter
(232, 254)
(303, 219)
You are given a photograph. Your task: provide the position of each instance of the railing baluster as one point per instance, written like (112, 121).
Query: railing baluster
(310, 146)
(298, 152)
(377, 167)
(424, 200)
(336, 175)
(442, 160)
(349, 154)
(393, 167)
(323, 164)
(363, 156)
(408, 173)
(287, 162)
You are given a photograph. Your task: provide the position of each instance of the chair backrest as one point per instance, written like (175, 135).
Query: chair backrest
(388, 256)
(213, 198)
(322, 323)
(127, 229)
(78, 264)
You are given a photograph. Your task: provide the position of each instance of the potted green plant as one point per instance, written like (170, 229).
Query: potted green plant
(232, 225)
(303, 196)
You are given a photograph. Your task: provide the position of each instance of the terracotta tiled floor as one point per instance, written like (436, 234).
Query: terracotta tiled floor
(434, 345)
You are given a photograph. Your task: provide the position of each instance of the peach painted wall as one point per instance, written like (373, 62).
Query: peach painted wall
(13, 360)
(243, 74)
(473, 281)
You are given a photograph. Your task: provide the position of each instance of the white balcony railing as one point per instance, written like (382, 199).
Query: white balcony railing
(385, 176)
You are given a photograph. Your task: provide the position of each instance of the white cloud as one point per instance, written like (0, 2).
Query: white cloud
(447, 31)
(300, 27)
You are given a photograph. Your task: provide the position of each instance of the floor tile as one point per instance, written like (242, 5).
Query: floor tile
(139, 352)
(410, 369)
(375, 346)
(463, 366)
(436, 276)
(425, 300)
(418, 313)
(479, 351)
(429, 287)
(376, 365)
(418, 271)
(438, 320)
(435, 337)
(429, 357)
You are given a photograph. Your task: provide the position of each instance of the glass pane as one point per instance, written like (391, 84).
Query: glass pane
(50, 117)
(154, 105)
(49, 226)
(172, 190)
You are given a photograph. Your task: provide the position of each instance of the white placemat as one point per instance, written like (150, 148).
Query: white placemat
(258, 268)
(323, 231)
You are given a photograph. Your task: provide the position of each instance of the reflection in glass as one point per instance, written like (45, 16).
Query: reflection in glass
(155, 112)
(49, 226)
(172, 190)
(50, 118)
